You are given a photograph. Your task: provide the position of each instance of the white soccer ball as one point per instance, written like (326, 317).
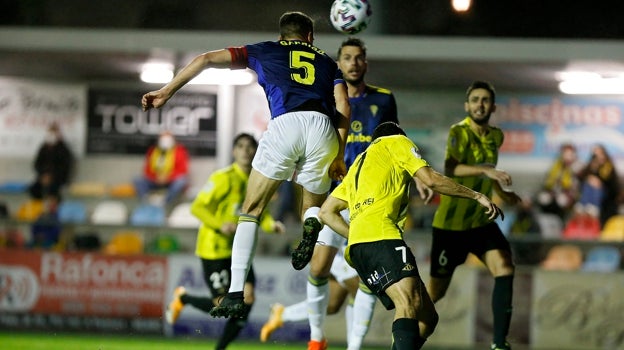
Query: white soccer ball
(350, 16)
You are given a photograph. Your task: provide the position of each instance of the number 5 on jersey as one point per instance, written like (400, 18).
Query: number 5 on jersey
(301, 61)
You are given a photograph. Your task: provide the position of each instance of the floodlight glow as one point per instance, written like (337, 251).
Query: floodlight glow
(461, 5)
(214, 76)
(601, 86)
(157, 73)
(578, 75)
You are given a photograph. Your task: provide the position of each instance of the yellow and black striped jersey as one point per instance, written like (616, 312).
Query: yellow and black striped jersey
(218, 202)
(463, 144)
(376, 188)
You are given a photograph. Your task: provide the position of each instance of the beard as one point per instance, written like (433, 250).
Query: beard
(483, 121)
(356, 81)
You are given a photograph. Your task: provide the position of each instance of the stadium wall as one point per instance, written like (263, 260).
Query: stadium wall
(104, 293)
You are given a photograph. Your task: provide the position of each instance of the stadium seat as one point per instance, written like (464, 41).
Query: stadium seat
(13, 187)
(30, 210)
(602, 259)
(613, 229)
(125, 243)
(148, 215)
(165, 243)
(551, 225)
(124, 190)
(582, 227)
(88, 189)
(110, 212)
(563, 257)
(181, 216)
(72, 211)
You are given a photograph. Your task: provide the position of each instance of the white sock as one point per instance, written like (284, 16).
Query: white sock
(318, 297)
(363, 307)
(349, 316)
(243, 249)
(296, 312)
(311, 212)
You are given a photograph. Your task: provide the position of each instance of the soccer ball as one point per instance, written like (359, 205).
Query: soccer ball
(350, 16)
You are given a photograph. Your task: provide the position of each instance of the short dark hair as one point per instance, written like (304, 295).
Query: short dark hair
(244, 135)
(295, 24)
(387, 129)
(481, 85)
(352, 41)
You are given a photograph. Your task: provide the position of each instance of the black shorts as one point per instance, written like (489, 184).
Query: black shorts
(450, 249)
(217, 275)
(383, 263)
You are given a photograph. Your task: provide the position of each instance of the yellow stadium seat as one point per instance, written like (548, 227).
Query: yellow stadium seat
(125, 190)
(125, 243)
(613, 229)
(30, 210)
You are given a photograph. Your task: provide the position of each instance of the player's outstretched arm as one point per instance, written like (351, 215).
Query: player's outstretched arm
(445, 185)
(212, 59)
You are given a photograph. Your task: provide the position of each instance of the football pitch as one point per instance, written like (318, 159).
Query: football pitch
(51, 340)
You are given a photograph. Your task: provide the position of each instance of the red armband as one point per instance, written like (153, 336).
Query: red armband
(239, 57)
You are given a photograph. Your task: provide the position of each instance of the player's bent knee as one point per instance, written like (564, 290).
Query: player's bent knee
(428, 324)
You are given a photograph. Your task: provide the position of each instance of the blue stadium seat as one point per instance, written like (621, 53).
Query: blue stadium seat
(602, 259)
(13, 187)
(72, 211)
(148, 215)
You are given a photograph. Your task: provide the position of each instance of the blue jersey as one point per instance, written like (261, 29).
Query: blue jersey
(375, 106)
(294, 75)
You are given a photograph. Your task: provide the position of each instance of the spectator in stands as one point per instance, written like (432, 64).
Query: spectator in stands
(54, 166)
(561, 187)
(600, 186)
(166, 167)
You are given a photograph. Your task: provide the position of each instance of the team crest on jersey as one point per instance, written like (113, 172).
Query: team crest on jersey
(374, 109)
(408, 267)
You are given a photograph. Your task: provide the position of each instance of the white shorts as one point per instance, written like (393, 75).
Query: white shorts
(298, 146)
(341, 270)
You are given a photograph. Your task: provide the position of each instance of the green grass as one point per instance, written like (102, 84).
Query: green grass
(81, 341)
(76, 341)
(50, 340)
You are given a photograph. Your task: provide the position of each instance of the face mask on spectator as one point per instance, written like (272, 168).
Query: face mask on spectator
(166, 142)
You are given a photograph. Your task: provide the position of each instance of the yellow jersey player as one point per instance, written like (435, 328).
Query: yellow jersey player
(217, 206)
(375, 191)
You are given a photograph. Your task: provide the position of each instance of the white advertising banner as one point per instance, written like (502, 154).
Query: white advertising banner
(577, 311)
(28, 107)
